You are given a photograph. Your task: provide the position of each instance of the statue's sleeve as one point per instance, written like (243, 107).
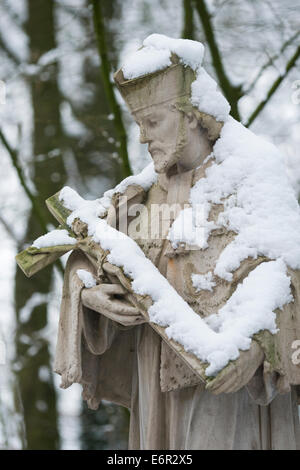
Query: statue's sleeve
(91, 349)
(281, 368)
(281, 364)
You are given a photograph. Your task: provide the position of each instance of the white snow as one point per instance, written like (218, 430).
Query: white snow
(146, 60)
(207, 98)
(266, 288)
(81, 208)
(86, 277)
(54, 238)
(203, 281)
(248, 176)
(84, 209)
(155, 55)
(190, 53)
(191, 227)
(146, 178)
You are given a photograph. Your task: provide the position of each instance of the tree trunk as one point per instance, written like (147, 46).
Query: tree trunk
(34, 374)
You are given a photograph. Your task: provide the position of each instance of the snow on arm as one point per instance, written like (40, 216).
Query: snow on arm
(265, 289)
(213, 343)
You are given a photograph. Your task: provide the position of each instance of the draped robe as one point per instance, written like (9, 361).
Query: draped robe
(127, 362)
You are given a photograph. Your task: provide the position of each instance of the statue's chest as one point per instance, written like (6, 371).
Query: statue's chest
(152, 221)
(149, 228)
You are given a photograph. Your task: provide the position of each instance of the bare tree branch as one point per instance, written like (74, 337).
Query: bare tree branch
(14, 159)
(7, 7)
(8, 229)
(231, 92)
(277, 16)
(10, 54)
(271, 61)
(274, 87)
(108, 86)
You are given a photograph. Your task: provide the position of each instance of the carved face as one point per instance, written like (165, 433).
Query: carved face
(164, 129)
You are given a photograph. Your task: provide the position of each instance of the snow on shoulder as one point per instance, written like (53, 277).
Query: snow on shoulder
(248, 176)
(88, 210)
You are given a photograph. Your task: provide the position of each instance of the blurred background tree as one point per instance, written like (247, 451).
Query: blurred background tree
(63, 122)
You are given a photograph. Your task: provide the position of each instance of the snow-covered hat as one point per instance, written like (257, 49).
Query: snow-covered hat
(167, 69)
(174, 82)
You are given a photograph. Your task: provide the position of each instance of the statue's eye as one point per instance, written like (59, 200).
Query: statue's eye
(152, 123)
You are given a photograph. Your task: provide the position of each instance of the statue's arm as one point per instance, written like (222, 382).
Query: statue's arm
(267, 368)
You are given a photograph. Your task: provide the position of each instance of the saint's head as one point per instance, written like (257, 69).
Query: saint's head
(170, 125)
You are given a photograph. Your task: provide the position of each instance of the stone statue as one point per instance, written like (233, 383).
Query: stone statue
(105, 343)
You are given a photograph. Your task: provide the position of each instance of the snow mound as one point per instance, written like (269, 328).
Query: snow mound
(203, 281)
(54, 238)
(85, 210)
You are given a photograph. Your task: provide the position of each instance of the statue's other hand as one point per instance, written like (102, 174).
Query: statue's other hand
(238, 373)
(110, 300)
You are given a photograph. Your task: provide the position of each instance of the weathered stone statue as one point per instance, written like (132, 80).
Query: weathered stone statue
(104, 341)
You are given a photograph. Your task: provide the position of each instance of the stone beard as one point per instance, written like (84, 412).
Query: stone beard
(173, 138)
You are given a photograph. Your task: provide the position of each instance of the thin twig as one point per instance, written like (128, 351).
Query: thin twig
(274, 87)
(8, 229)
(6, 6)
(271, 61)
(108, 87)
(10, 54)
(14, 159)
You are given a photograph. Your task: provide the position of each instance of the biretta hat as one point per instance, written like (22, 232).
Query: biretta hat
(163, 86)
(173, 82)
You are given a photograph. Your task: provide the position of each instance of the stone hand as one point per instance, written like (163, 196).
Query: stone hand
(109, 300)
(237, 374)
